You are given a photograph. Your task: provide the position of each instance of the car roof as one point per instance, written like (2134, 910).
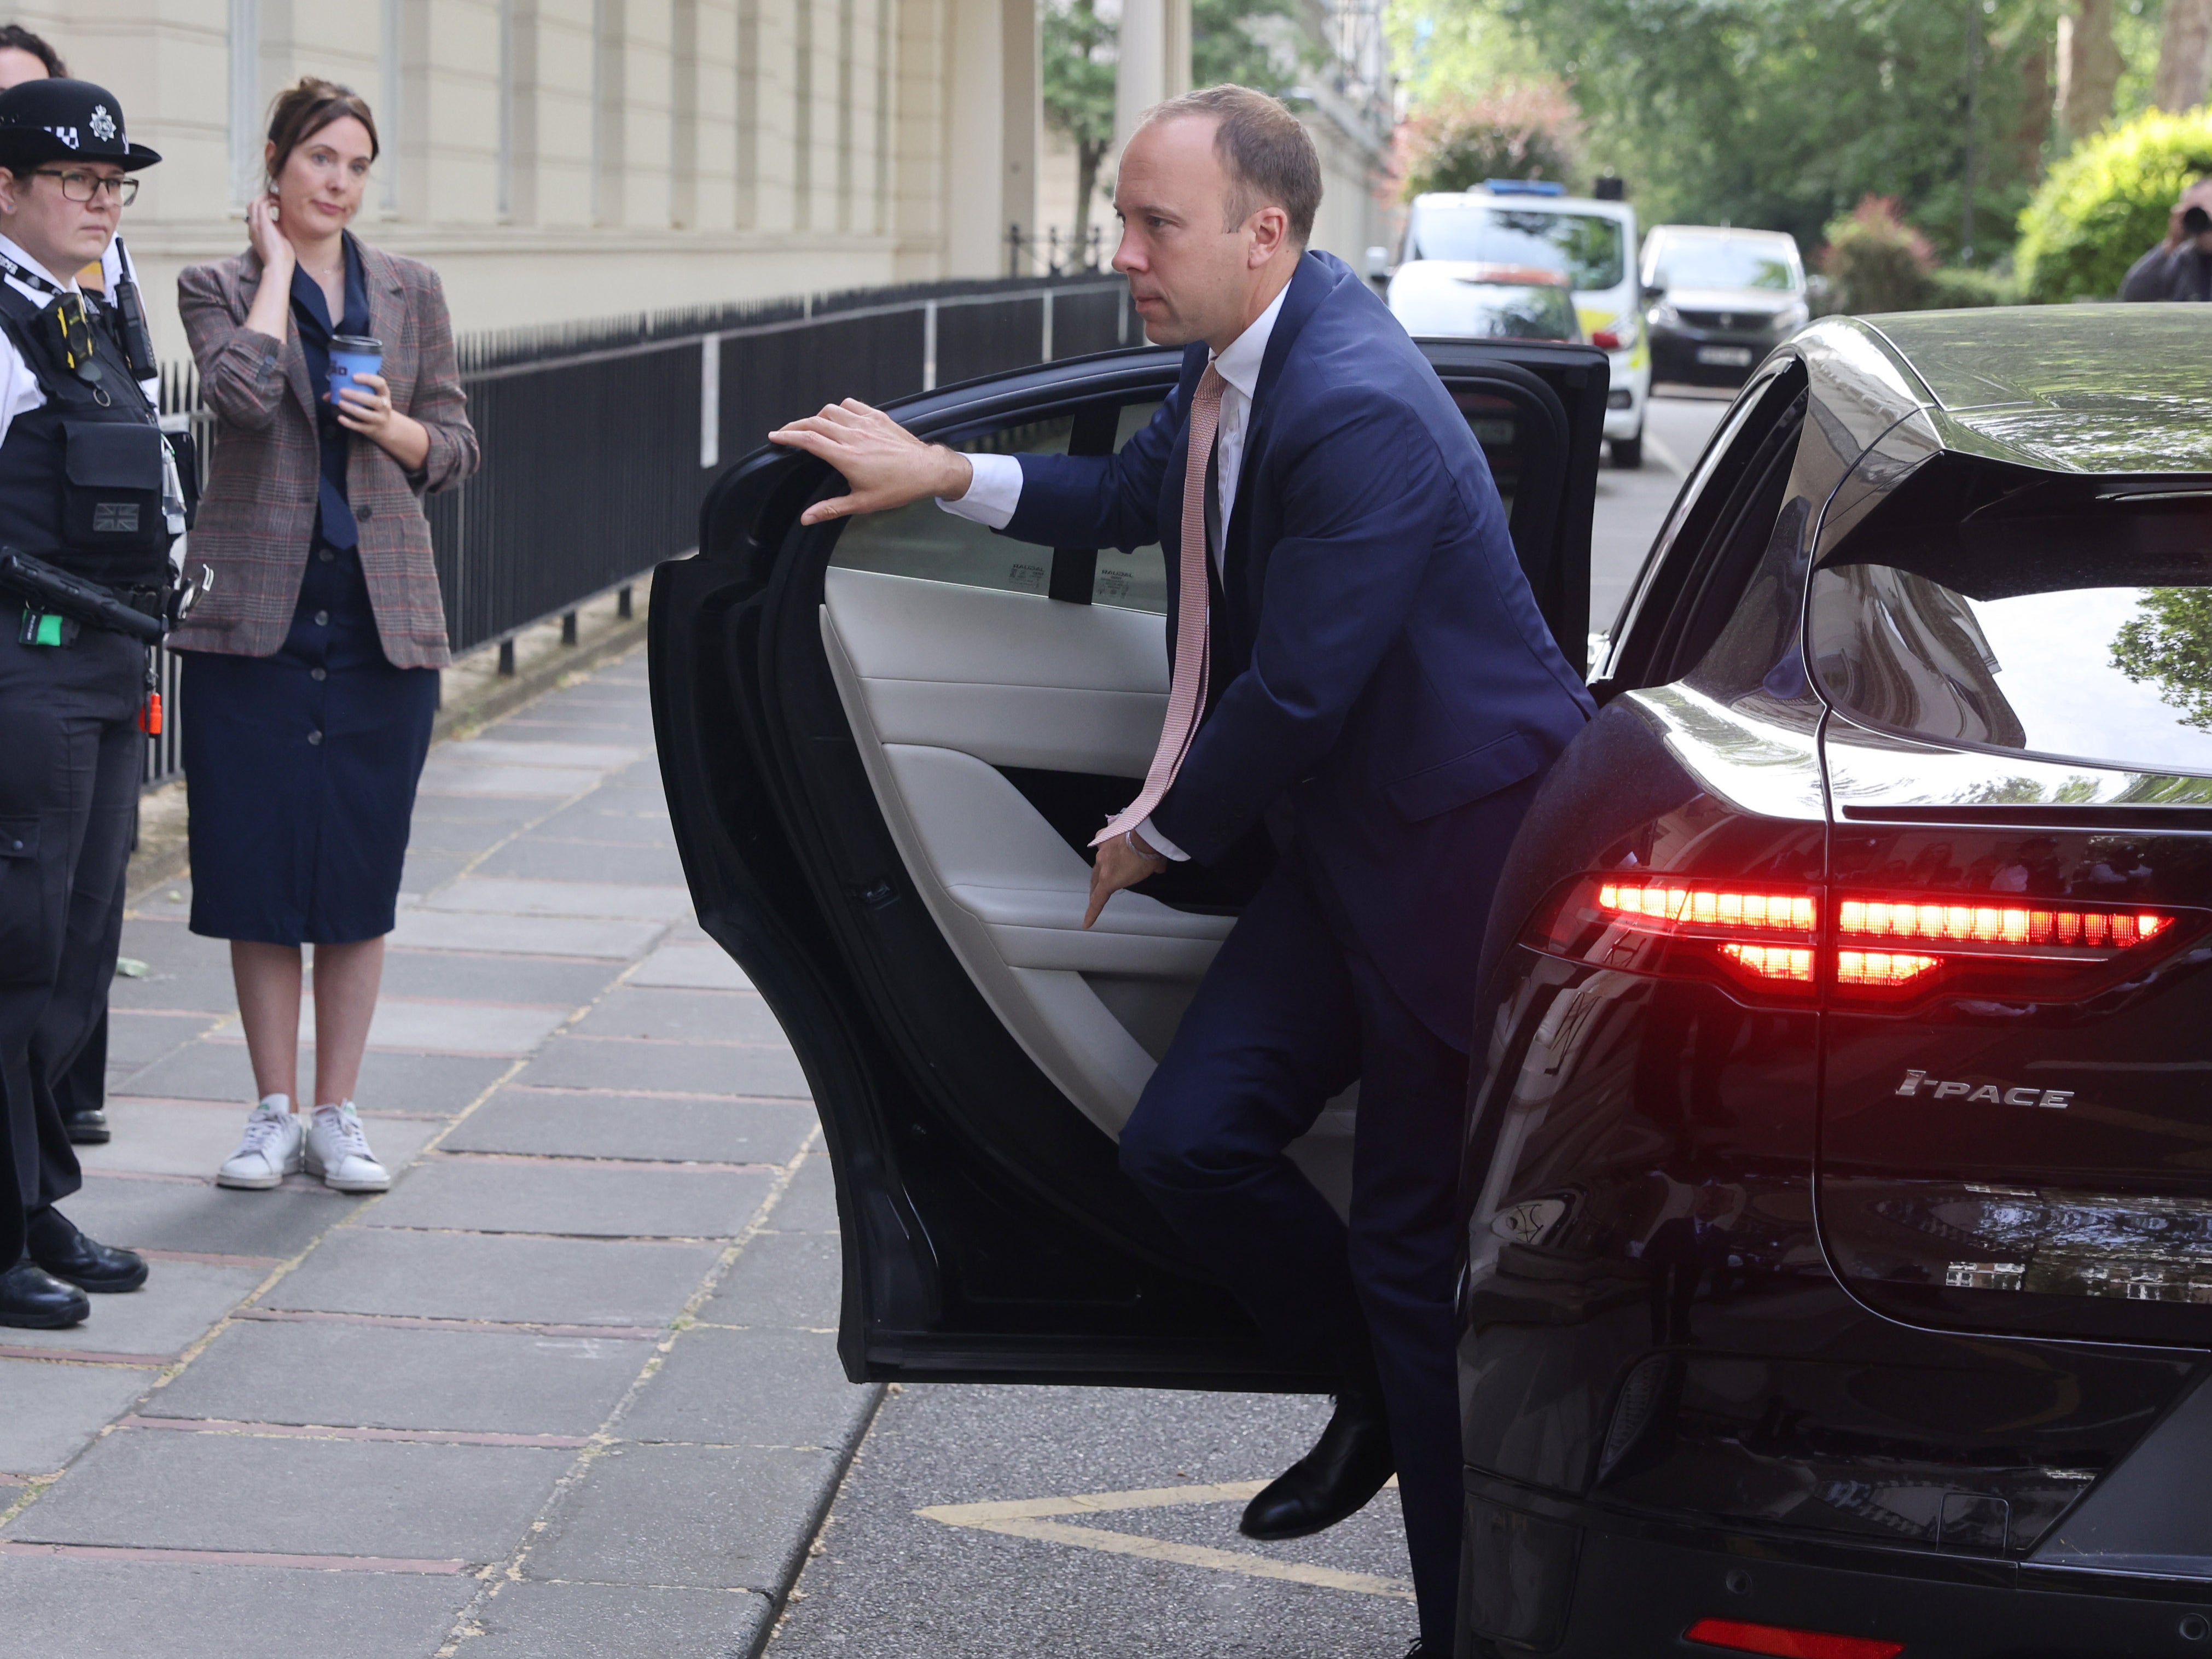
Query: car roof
(1723, 233)
(1621, 211)
(2074, 388)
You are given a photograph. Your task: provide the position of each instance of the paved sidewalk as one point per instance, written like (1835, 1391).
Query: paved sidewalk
(568, 1390)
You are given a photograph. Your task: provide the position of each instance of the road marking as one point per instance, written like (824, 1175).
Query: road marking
(1032, 1518)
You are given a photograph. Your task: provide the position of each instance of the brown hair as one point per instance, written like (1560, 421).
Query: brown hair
(1270, 155)
(16, 36)
(303, 110)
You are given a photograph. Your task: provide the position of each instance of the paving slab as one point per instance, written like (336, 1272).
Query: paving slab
(219, 1068)
(542, 858)
(59, 1607)
(52, 1414)
(615, 939)
(516, 896)
(754, 1388)
(425, 870)
(199, 1217)
(572, 1062)
(404, 1500)
(562, 1123)
(561, 1197)
(181, 1301)
(193, 1138)
(368, 1375)
(780, 1279)
(618, 1621)
(445, 1026)
(545, 981)
(448, 777)
(809, 1204)
(554, 1281)
(600, 757)
(712, 1517)
(593, 820)
(136, 1038)
(635, 1011)
(705, 967)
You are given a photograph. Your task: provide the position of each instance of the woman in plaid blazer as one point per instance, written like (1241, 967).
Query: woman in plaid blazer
(312, 676)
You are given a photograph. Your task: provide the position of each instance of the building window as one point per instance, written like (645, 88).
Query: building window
(245, 139)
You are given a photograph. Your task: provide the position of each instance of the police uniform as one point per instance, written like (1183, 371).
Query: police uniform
(86, 493)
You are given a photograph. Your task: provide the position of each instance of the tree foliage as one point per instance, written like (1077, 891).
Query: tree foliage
(1077, 46)
(1513, 129)
(1254, 43)
(1784, 114)
(2106, 204)
(2169, 644)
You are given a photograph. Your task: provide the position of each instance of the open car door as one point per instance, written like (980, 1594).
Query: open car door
(886, 742)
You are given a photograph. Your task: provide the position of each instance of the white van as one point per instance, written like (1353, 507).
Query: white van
(1535, 224)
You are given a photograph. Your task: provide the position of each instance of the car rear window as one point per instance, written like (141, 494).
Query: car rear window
(2088, 639)
(1584, 247)
(1725, 262)
(1488, 311)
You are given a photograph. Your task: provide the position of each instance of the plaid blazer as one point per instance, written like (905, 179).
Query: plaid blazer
(258, 513)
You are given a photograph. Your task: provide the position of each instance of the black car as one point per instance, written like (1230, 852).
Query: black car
(1719, 300)
(1840, 1179)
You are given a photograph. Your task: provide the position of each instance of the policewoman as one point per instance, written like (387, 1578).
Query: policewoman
(88, 508)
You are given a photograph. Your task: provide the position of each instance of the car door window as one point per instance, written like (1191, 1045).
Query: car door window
(924, 541)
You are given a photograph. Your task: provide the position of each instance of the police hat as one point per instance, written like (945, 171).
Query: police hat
(58, 120)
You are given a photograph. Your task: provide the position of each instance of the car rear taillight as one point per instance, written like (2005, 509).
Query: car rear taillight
(1606, 339)
(1909, 945)
(1759, 937)
(1739, 1636)
(1880, 950)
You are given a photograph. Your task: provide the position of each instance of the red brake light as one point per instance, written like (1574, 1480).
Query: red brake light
(1738, 1636)
(1988, 944)
(1606, 339)
(1758, 938)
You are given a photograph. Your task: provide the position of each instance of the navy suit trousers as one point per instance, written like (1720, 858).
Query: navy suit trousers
(1291, 1013)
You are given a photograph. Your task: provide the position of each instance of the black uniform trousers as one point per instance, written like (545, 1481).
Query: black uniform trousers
(1291, 1013)
(71, 759)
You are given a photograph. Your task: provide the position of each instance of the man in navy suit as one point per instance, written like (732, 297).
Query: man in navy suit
(1371, 678)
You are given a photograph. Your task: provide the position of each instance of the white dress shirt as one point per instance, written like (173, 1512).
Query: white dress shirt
(995, 489)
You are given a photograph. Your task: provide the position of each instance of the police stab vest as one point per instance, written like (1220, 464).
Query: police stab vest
(80, 476)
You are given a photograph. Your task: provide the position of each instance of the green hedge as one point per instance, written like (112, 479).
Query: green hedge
(2105, 204)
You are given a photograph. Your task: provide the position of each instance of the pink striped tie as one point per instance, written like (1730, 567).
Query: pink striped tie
(1187, 686)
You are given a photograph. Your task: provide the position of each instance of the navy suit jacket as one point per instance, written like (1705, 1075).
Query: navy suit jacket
(1386, 667)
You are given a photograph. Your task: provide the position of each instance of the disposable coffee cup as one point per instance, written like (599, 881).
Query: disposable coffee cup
(352, 355)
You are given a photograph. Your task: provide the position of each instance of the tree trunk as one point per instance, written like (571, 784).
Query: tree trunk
(2034, 111)
(1087, 158)
(2089, 68)
(2184, 63)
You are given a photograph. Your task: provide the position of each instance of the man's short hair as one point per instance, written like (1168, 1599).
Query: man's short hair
(1269, 154)
(16, 36)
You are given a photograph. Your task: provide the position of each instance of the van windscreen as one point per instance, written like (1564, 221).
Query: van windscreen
(1584, 247)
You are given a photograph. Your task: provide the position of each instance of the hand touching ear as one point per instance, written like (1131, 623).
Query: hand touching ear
(884, 464)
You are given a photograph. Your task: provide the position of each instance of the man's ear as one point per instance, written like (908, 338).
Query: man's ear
(1271, 229)
(11, 187)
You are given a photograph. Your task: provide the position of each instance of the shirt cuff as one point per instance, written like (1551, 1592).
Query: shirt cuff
(992, 492)
(1149, 833)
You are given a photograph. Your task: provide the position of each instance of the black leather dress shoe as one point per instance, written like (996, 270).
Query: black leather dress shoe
(88, 1128)
(30, 1298)
(57, 1246)
(1347, 1467)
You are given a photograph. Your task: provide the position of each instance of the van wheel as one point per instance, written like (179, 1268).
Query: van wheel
(1627, 452)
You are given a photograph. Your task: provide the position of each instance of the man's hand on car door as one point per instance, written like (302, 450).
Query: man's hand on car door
(884, 464)
(1120, 864)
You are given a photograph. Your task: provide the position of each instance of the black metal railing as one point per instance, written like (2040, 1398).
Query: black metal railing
(599, 438)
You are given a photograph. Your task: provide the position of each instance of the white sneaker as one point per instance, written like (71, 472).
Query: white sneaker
(269, 1149)
(338, 1151)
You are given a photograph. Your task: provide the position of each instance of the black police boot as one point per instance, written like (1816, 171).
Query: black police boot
(1347, 1467)
(57, 1246)
(88, 1128)
(30, 1298)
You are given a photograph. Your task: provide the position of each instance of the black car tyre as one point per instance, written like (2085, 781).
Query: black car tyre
(1627, 452)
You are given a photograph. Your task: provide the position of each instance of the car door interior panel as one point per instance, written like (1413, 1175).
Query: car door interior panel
(930, 723)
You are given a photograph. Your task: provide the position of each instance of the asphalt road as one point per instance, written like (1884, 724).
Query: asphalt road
(911, 1561)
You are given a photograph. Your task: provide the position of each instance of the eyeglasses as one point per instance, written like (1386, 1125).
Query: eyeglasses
(84, 186)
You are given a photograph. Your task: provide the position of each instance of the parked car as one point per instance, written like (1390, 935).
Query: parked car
(1535, 225)
(1840, 1274)
(1721, 299)
(1451, 299)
